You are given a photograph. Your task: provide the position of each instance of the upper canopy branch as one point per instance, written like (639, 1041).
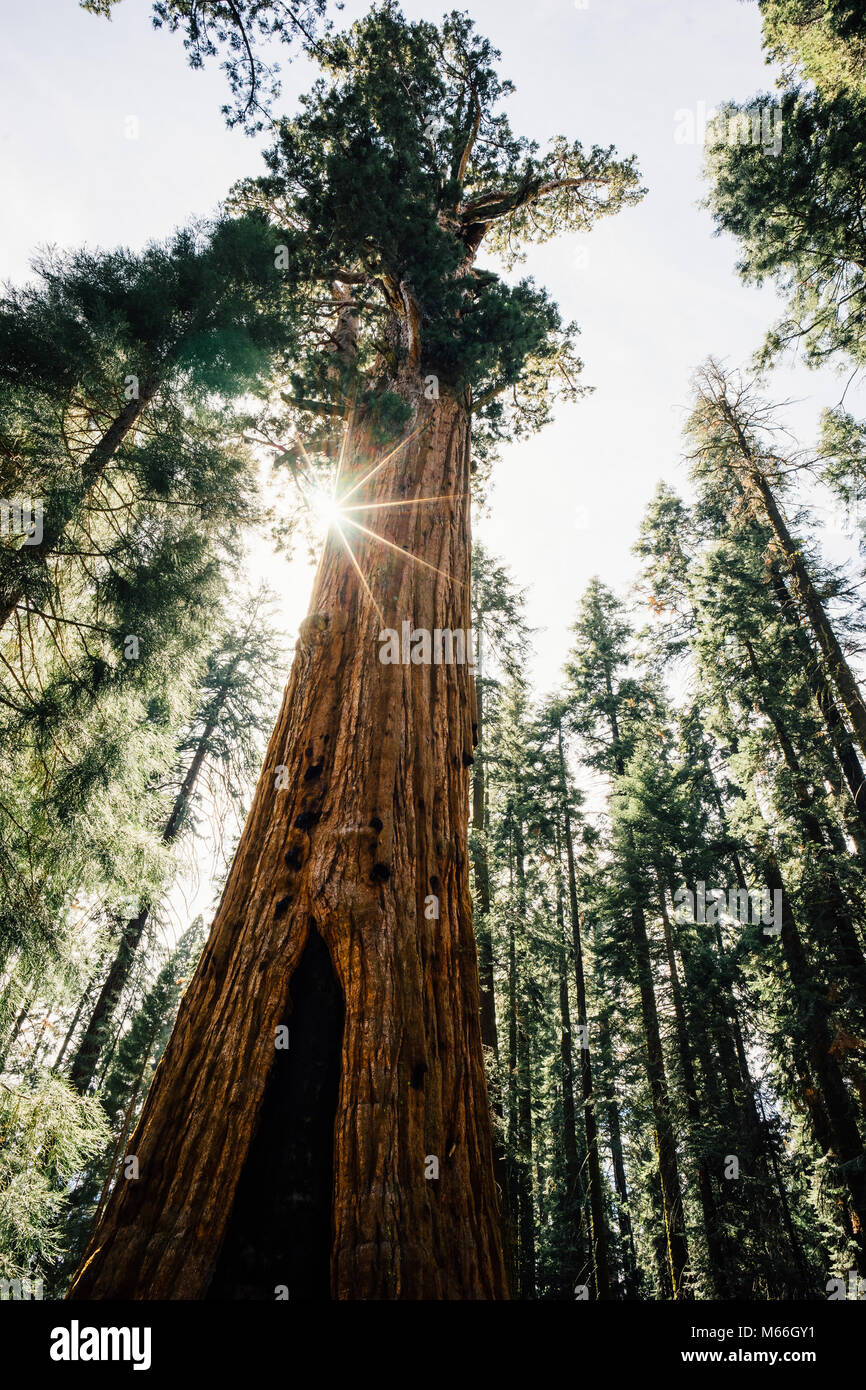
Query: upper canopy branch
(470, 141)
(488, 207)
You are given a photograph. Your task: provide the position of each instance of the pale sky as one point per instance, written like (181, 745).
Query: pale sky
(653, 290)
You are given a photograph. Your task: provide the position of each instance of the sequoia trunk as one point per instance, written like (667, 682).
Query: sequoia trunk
(358, 833)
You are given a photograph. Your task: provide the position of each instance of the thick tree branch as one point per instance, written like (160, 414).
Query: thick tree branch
(488, 207)
(473, 134)
(315, 407)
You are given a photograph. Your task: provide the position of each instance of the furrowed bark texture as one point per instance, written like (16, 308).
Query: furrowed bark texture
(371, 825)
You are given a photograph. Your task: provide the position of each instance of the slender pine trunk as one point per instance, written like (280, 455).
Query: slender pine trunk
(86, 1058)
(600, 1240)
(484, 938)
(829, 909)
(715, 1245)
(525, 1193)
(92, 469)
(676, 1245)
(836, 664)
(834, 1120)
(20, 1018)
(620, 1181)
(840, 738)
(570, 1149)
(481, 868)
(677, 1251)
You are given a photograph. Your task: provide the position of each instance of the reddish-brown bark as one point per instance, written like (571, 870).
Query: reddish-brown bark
(371, 824)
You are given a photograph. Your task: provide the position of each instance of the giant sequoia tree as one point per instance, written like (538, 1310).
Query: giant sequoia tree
(346, 916)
